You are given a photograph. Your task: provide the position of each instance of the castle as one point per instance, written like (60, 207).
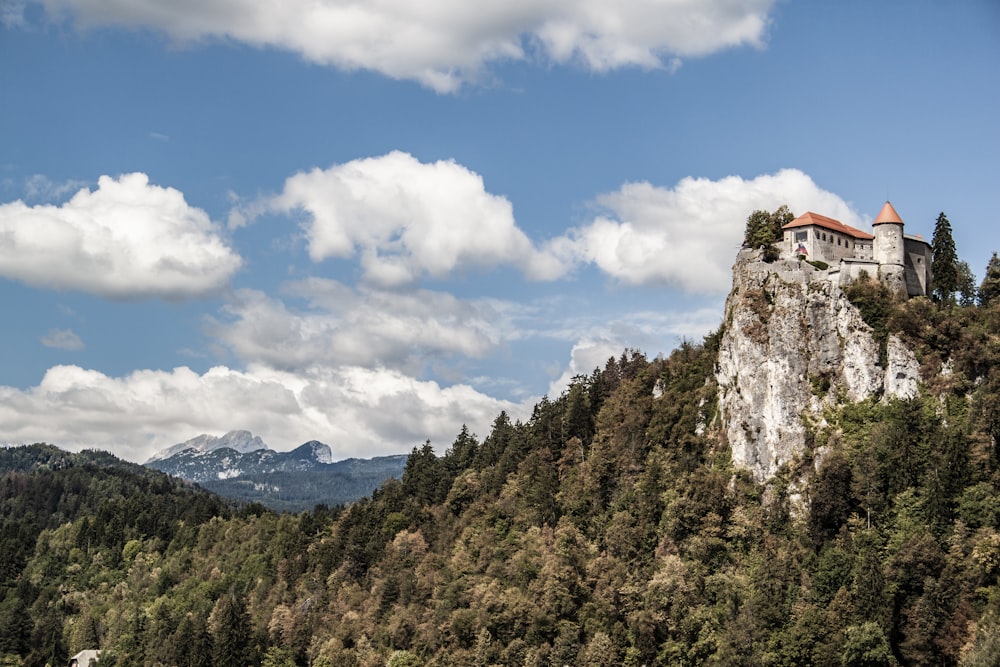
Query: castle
(901, 261)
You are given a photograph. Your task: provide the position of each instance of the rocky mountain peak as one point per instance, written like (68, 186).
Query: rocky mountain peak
(316, 450)
(240, 441)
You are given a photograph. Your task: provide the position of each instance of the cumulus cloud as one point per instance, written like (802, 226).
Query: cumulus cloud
(340, 325)
(586, 355)
(358, 411)
(125, 240)
(406, 219)
(688, 235)
(445, 43)
(63, 339)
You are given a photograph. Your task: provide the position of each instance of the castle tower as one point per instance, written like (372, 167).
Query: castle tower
(888, 249)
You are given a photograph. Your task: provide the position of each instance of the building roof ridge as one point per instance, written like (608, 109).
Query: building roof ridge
(812, 218)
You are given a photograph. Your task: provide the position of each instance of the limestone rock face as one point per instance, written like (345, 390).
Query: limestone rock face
(902, 374)
(792, 344)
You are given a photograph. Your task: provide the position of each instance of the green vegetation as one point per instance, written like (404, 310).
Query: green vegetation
(763, 230)
(989, 289)
(876, 304)
(608, 529)
(945, 266)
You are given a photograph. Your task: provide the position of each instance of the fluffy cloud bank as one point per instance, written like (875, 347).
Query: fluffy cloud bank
(444, 43)
(407, 219)
(357, 411)
(126, 240)
(404, 220)
(687, 236)
(340, 325)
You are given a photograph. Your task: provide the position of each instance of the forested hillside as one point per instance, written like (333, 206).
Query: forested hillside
(68, 522)
(611, 528)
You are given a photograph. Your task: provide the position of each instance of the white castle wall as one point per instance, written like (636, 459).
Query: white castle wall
(901, 262)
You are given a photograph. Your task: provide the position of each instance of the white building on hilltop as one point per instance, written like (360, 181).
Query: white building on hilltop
(85, 658)
(900, 261)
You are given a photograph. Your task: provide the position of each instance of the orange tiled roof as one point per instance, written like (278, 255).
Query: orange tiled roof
(810, 218)
(888, 215)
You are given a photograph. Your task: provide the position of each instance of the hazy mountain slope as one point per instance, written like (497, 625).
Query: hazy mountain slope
(288, 481)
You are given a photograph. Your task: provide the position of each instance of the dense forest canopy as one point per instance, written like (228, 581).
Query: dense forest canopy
(610, 528)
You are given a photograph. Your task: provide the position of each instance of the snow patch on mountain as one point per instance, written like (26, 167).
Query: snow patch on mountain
(243, 442)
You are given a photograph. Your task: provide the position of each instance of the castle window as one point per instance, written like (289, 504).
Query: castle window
(838, 240)
(801, 237)
(824, 236)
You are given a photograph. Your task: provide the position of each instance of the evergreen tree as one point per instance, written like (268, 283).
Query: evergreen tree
(944, 261)
(47, 643)
(422, 476)
(966, 285)
(989, 289)
(230, 628)
(190, 645)
(763, 230)
(462, 454)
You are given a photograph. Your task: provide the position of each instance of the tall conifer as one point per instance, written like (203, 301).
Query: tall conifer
(989, 289)
(944, 261)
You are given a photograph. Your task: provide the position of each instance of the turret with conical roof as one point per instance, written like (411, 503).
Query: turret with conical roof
(889, 249)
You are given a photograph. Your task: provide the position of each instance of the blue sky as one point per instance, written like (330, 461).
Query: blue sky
(369, 224)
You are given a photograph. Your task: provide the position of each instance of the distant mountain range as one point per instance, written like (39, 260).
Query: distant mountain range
(240, 465)
(243, 442)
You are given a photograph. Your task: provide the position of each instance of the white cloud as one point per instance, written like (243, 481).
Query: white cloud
(127, 239)
(357, 411)
(63, 339)
(407, 219)
(688, 236)
(39, 187)
(340, 325)
(586, 355)
(445, 43)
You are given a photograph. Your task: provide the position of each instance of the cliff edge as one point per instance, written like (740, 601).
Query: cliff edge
(792, 344)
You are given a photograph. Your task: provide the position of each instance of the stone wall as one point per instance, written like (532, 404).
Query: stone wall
(918, 267)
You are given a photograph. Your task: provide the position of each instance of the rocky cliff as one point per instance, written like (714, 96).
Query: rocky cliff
(792, 344)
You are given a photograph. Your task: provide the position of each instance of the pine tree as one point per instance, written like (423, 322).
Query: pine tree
(989, 289)
(422, 476)
(230, 628)
(462, 454)
(944, 261)
(966, 285)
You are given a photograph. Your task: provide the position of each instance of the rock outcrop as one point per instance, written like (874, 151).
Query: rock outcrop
(793, 344)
